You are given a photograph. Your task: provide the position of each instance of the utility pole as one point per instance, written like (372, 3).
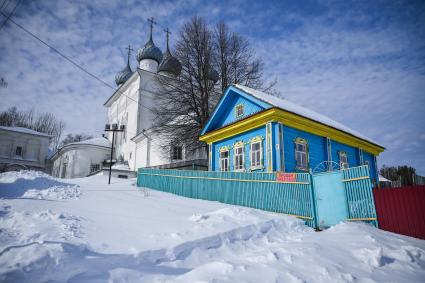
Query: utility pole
(113, 129)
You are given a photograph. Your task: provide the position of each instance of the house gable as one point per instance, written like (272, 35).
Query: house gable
(225, 112)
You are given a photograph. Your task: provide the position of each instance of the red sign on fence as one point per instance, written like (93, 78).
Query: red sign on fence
(286, 177)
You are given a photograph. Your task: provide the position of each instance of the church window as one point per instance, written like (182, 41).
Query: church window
(301, 153)
(239, 156)
(94, 168)
(239, 110)
(125, 122)
(64, 167)
(343, 160)
(18, 151)
(224, 160)
(177, 153)
(256, 153)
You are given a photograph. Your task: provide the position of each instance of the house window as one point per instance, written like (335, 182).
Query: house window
(367, 163)
(239, 110)
(18, 151)
(256, 154)
(177, 153)
(94, 168)
(301, 153)
(343, 160)
(239, 156)
(224, 160)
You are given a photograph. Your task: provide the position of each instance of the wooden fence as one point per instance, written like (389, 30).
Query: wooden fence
(401, 210)
(256, 190)
(358, 190)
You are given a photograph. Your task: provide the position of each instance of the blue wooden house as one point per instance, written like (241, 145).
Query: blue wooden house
(253, 131)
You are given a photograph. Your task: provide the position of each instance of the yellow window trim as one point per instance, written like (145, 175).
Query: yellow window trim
(301, 140)
(239, 144)
(256, 139)
(294, 121)
(224, 148)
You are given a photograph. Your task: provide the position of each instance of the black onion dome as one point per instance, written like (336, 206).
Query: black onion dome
(124, 75)
(149, 51)
(213, 75)
(170, 64)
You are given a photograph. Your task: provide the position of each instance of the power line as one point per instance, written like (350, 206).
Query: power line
(10, 15)
(4, 2)
(73, 62)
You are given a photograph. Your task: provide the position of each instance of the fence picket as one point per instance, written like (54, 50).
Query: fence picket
(257, 190)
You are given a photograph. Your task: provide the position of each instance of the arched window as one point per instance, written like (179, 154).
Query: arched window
(301, 153)
(239, 160)
(343, 159)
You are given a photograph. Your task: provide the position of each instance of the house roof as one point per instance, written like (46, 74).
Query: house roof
(94, 141)
(302, 111)
(102, 142)
(24, 131)
(383, 179)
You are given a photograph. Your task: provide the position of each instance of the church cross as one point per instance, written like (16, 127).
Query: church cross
(168, 32)
(152, 21)
(129, 49)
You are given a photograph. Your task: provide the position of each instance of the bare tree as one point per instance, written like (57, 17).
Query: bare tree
(187, 101)
(236, 60)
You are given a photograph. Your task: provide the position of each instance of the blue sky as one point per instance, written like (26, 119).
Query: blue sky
(361, 63)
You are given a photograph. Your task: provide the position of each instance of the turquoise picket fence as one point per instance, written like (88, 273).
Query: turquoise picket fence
(256, 190)
(263, 191)
(359, 195)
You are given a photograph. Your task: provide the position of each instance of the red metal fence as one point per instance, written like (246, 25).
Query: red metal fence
(401, 210)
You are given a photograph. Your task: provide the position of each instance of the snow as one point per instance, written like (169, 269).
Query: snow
(94, 141)
(383, 179)
(302, 111)
(121, 166)
(24, 130)
(121, 233)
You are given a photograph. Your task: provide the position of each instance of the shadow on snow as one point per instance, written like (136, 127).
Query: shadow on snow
(18, 188)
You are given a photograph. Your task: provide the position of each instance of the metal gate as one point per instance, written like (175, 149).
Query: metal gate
(343, 195)
(331, 204)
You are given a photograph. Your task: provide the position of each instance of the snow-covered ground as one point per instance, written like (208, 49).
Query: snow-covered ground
(82, 230)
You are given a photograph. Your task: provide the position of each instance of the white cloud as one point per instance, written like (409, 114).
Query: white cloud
(361, 66)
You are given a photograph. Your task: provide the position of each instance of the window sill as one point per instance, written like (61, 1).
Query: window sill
(257, 168)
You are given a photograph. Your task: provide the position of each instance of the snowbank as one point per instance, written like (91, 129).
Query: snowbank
(117, 233)
(35, 185)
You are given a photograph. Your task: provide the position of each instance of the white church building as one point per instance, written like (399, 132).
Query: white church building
(80, 159)
(131, 105)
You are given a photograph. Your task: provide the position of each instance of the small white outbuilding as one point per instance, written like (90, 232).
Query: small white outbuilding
(22, 148)
(80, 159)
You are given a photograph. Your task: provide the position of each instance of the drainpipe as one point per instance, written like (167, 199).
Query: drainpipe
(148, 148)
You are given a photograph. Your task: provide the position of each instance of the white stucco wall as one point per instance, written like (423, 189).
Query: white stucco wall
(34, 150)
(142, 89)
(78, 160)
